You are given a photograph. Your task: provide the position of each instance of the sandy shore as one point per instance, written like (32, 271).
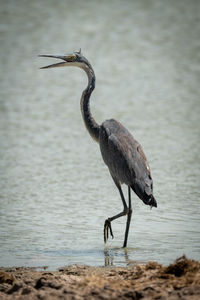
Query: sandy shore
(180, 280)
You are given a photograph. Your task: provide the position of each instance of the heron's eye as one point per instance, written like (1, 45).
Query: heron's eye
(71, 57)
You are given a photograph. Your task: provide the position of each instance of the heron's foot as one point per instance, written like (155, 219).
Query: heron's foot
(107, 228)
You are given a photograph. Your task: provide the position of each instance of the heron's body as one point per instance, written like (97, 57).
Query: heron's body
(125, 158)
(122, 154)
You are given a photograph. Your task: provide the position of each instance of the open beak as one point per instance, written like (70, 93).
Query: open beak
(60, 64)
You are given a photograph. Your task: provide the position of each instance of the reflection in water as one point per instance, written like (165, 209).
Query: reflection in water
(109, 257)
(112, 254)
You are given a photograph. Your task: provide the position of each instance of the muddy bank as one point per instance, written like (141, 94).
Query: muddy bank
(180, 280)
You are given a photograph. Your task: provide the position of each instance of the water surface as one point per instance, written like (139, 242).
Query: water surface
(55, 191)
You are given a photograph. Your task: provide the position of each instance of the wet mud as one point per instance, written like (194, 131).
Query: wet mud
(180, 280)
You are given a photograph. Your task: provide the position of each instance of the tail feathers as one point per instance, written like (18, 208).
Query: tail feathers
(152, 201)
(148, 199)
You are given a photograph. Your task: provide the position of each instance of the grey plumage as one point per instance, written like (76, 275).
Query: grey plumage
(126, 160)
(122, 154)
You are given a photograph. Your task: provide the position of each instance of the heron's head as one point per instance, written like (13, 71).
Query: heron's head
(73, 59)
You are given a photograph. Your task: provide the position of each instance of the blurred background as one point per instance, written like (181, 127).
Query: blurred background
(55, 191)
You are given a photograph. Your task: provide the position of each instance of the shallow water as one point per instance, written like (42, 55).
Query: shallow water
(55, 191)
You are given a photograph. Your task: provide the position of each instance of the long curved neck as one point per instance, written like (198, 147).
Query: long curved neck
(90, 123)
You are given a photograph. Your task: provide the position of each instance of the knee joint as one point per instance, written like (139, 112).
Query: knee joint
(125, 210)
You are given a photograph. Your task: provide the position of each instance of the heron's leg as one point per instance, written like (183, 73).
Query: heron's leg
(107, 225)
(128, 217)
